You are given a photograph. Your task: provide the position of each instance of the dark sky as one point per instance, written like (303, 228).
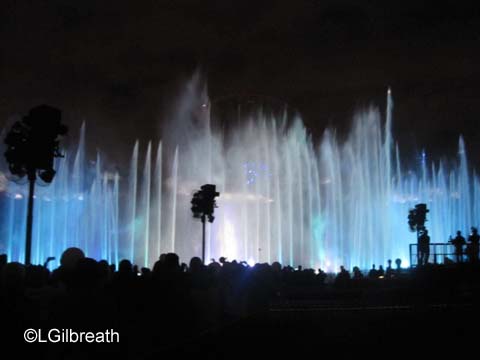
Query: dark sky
(117, 63)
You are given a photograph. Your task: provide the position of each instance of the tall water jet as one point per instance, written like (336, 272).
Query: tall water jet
(131, 221)
(283, 197)
(158, 200)
(145, 208)
(173, 225)
(116, 218)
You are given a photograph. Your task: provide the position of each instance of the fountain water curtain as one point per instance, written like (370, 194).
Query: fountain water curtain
(282, 197)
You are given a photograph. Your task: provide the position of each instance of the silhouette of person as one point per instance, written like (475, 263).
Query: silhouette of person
(473, 243)
(380, 271)
(458, 242)
(357, 274)
(343, 277)
(389, 270)
(398, 263)
(423, 248)
(372, 274)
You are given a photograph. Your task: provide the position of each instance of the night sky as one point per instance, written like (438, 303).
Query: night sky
(118, 64)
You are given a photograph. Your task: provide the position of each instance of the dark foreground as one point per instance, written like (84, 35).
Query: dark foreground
(236, 311)
(373, 332)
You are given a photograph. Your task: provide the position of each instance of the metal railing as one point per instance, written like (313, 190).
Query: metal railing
(440, 253)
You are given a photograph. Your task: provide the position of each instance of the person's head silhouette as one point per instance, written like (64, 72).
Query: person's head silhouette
(70, 257)
(125, 266)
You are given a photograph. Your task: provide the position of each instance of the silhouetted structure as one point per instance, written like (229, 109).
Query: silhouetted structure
(416, 221)
(203, 206)
(32, 146)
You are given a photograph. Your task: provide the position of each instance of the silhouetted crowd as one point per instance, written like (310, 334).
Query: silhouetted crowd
(179, 300)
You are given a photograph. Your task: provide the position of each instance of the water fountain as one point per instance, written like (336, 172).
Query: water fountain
(282, 197)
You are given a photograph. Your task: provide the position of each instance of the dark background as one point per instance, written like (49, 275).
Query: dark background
(117, 64)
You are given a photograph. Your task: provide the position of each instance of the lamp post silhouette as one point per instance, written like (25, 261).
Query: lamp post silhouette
(32, 144)
(416, 221)
(203, 205)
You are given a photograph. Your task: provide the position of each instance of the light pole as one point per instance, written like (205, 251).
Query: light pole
(32, 145)
(203, 205)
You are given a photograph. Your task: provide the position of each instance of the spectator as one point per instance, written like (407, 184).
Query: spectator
(343, 277)
(389, 271)
(372, 274)
(357, 274)
(473, 244)
(423, 247)
(458, 242)
(380, 271)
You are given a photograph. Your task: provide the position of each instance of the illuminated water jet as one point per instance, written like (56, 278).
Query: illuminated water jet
(282, 198)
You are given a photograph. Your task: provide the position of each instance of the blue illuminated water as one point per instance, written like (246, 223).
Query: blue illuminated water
(282, 197)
